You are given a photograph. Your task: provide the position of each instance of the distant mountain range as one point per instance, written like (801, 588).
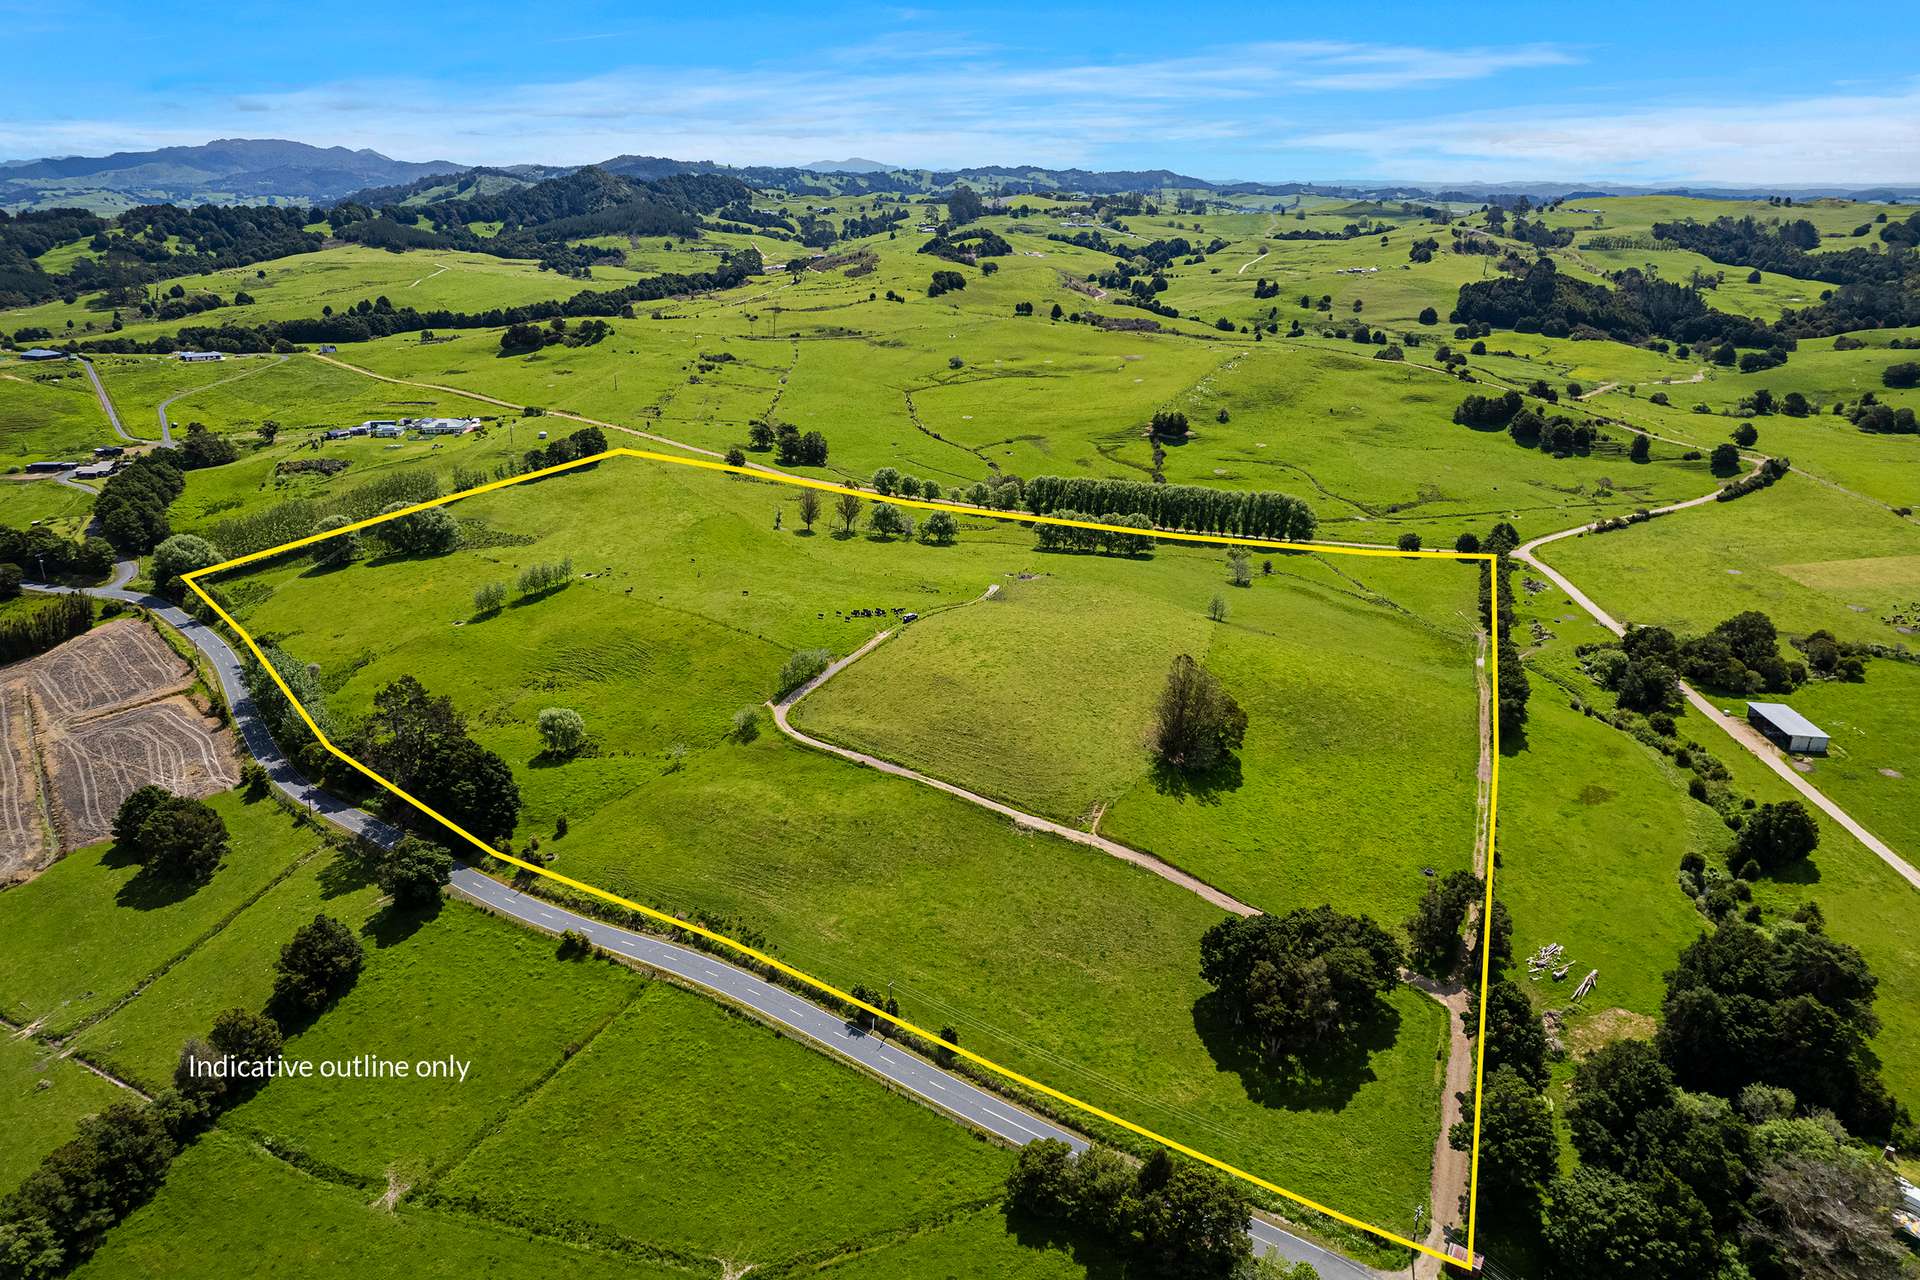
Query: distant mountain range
(266, 171)
(852, 164)
(230, 170)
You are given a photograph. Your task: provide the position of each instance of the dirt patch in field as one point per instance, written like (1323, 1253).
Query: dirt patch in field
(86, 724)
(1589, 1034)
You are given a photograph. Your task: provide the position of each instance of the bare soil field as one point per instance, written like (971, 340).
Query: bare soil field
(23, 832)
(87, 724)
(113, 665)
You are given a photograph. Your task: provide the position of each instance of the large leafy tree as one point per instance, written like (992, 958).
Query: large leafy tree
(1302, 978)
(317, 966)
(1433, 931)
(1793, 1009)
(1515, 1037)
(1604, 1225)
(1518, 1152)
(420, 742)
(1196, 722)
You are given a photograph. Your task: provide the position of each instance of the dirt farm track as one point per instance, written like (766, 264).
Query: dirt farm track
(83, 726)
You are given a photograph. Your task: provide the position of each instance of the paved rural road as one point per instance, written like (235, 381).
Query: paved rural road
(1738, 730)
(942, 1089)
(1146, 861)
(106, 405)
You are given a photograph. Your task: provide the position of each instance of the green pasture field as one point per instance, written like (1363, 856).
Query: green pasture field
(1630, 215)
(140, 1041)
(139, 385)
(87, 931)
(303, 394)
(255, 482)
(1073, 661)
(1872, 767)
(1372, 445)
(300, 285)
(1773, 294)
(1311, 419)
(462, 983)
(43, 1098)
(743, 1180)
(227, 1205)
(1807, 557)
(847, 872)
(972, 1243)
(61, 507)
(48, 411)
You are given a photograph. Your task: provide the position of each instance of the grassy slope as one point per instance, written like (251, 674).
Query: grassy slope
(298, 286)
(1073, 694)
(1591, 833)
(58, 506)
(141, 1041)
(706, 1180)
(42, 1099)
(463, 984)
(44, 416)
(1802, 555)
(228, 1206)
(818, 856)
(91, 928)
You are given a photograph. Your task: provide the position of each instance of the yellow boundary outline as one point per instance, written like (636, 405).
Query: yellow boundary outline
(192, 579)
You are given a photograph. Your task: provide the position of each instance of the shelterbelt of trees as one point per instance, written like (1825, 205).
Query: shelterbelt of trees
(1253, 514)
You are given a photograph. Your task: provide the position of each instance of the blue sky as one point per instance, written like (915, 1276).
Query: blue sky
(1766, 94)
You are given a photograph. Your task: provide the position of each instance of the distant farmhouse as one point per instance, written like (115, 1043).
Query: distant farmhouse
(1788, 728)
(195, 357)
(444, 426)
(391, 429)
(42, 353)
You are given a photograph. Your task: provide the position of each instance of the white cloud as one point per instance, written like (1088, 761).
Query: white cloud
(1856, 138)
(923, 97)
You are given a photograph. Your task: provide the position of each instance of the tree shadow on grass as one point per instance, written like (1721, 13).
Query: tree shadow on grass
(395, 923)
(1322, 1078)
(349, 870)
(1100, 1258)
(1204, 786)
(149, 890)
(1799, 871)
(535, 597)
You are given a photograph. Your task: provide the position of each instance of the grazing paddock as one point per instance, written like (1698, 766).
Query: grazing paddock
(43, 1097)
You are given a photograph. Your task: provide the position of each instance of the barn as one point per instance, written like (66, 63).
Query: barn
(1787, 728)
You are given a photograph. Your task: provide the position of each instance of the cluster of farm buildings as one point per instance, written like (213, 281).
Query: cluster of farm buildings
(394, 428)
